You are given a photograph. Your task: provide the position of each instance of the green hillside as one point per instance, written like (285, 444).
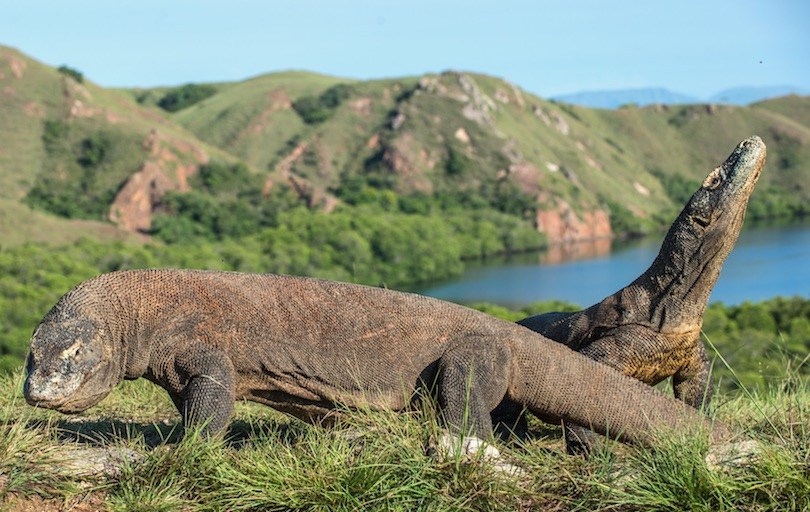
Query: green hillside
(455, 133)
(69, 146)
(418, 145)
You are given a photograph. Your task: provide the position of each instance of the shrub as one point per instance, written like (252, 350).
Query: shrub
(317, 109)
(218, 177)
(622, 220)
(185, 96)
(334, 96)
(311, 110)
(55, 134)
(93, 150)
(71, 72)
(457, 163)
(678, 188)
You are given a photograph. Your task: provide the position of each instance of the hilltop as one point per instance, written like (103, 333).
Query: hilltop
(615, 98)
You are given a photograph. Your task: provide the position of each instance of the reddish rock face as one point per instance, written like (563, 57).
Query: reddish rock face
(562, 224)
(134, 204)
(163, 171)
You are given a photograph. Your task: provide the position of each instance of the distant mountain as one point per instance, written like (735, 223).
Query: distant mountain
(748, 95)
(618, 97)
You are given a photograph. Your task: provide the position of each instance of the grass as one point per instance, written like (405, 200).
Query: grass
(19, 224)
(383, 461)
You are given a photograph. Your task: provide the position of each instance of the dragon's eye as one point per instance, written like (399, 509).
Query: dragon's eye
(713, 180)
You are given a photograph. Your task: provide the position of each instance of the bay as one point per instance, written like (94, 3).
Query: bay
(768, 260)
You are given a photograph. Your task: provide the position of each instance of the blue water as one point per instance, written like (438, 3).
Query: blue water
(767, 261)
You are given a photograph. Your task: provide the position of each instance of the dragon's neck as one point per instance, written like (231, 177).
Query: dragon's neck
(671, 295)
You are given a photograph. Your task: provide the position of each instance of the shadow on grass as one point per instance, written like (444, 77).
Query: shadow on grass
(105, 431)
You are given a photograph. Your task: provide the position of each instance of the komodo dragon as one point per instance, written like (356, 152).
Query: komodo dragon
(650, 329)
(305, 346)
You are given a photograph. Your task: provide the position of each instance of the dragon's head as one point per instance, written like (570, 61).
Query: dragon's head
(71, 363)
(719, 204)
(708, 226)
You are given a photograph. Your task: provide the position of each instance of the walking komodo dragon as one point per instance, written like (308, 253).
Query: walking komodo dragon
(650, 329)
(305, 346)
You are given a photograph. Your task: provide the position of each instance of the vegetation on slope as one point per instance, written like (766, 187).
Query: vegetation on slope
(428, 147)
(185, 96)
(472, 133)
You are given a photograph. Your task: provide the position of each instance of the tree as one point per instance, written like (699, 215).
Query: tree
(71, 72)
(185, 96)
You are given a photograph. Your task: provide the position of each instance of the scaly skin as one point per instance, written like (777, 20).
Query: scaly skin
(650, 329)
(304, 346)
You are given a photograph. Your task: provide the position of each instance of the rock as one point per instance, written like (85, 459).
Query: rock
(134, 204)
(562, 224)
(472, 449)
(397, 121)
(480, 105)
(728, 456)
(96, 462)
(641, 189)
(462, 135)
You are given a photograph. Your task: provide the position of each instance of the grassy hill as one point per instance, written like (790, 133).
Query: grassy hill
(69, 146)
(463, 133)
(453, 139)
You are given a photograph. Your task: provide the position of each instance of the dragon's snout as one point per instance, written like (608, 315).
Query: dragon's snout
(49, 391)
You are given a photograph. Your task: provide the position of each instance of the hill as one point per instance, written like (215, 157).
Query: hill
(420, 146)
(78, 150)
(616, 98)
(749, 95)
(567, 169)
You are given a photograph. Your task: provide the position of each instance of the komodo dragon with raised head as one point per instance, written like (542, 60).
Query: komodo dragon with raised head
(650, 329)
(305, 346)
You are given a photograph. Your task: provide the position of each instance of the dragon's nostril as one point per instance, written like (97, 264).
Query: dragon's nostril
(700, 221)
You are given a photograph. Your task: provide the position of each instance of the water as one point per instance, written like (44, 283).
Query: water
(768, 260)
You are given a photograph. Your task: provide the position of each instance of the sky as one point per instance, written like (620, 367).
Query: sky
(547, 47)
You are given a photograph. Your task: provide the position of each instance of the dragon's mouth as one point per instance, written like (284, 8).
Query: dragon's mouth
(77, 405)
(69, 405)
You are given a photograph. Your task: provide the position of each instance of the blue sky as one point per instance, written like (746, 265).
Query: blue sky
(548, 47)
